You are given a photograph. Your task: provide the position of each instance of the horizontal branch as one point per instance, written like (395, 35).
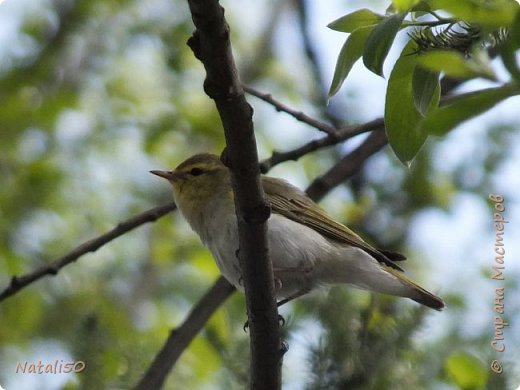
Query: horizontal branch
(181, 337)
(19, 282)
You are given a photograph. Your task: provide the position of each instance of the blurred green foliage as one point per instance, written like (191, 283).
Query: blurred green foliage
(96, 93)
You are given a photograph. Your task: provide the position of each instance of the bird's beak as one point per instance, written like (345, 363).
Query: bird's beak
(168, 175)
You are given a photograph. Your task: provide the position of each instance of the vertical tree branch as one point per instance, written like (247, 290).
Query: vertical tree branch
(210, 44)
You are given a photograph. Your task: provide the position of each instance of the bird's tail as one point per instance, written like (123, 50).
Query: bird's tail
(364, 271)
(416, 292)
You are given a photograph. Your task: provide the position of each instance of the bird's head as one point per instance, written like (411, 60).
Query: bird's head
(197, 181)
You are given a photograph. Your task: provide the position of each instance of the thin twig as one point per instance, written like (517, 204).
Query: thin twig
(348, 166)
(20, 282)
(299, 115)
(181, 337)
(342, 135)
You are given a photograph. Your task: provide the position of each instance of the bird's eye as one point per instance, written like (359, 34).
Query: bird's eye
(196, 171)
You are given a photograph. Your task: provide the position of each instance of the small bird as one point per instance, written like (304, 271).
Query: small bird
(307, 247)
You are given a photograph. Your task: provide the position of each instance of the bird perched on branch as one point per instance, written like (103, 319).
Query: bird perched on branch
(307, 247)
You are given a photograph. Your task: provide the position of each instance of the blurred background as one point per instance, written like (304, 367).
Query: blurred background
(94, 94)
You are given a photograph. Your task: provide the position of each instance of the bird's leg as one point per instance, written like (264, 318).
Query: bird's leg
(288, 273)
(297, 294)
(281, 323)
(284, 347)
(295, 273)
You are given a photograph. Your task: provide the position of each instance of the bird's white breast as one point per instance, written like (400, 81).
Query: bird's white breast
(294, 250)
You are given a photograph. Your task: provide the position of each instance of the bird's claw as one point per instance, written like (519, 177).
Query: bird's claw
(281, 323)
(284, 347)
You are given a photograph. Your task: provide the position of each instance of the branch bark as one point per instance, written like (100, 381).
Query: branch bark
(20, 282)
(348, 166)
(210, 44)
(181, 337)
(298, 115)
(344, 133)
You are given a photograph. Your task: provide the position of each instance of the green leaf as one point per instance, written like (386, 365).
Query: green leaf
(420, 9)
(426, 90)
(351, 22)
(467, 372)
(465, 107)
(379, 42)
(404, 5)
(350, 52)
(454, 64)
(509, 48)
(514, 33)
(492, 14)
(402, 119)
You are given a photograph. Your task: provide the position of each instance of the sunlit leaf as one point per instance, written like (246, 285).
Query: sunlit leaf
(404, 5)
(492, 14)
(402, 119)
(509, 48)
(426, 89)
(465, 107)
(349, 54)
(379, 42)
(454, 64)
(467, 372)
(351, 22)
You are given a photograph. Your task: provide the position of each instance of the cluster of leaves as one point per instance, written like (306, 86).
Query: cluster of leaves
(456, 47)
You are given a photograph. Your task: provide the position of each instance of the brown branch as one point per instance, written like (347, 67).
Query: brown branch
(210, 44)
(298, 115)
(348, 166)
(20, 282)
(377, 125)
(181, 337)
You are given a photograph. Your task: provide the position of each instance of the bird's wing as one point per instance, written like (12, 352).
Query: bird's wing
(300, 208)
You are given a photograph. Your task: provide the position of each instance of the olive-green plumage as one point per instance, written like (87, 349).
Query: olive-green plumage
(306, 246)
